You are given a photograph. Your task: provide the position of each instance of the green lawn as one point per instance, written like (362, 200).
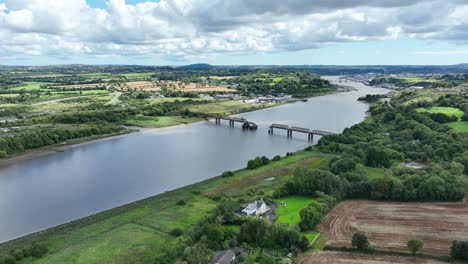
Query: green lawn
(450, 111)
(289, 214)
(459, 126)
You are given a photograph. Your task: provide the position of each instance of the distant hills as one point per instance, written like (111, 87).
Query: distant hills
(198, 66)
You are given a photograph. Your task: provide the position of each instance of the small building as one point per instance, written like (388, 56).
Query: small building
(256, 208)
(224, 257)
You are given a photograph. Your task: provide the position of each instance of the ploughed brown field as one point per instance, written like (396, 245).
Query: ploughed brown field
(390, 225)
(337, 257)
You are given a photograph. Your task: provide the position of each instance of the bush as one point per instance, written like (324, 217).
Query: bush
(360, 241)
(257, 162)
(309, 148)
(181, 202)
(415, 245)
(39, 250)
(443, 118)
(459, 250)
(227, 174)
(176, 232)
(9, 259)
(18, 254)
(276, 158)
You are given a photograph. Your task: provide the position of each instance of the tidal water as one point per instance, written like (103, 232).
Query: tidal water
(51, 190)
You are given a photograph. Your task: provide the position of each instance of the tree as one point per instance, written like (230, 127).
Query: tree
(415, 245)
(342, 165)
(310, 217)
(459, 250)
(456, 168)
(360, 241)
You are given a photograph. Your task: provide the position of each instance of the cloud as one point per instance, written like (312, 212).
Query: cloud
(191, 29)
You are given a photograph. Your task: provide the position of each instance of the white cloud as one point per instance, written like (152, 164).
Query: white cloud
(190, 29)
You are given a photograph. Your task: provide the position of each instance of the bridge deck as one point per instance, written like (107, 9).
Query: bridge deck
(235, 119)
(301, 130)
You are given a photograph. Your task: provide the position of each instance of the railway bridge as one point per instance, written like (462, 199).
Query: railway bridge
(289, 130)
(232, 120)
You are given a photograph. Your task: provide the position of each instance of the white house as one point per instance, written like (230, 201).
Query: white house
(256, 208)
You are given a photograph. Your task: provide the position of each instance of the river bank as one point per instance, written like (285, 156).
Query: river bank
(147, 223)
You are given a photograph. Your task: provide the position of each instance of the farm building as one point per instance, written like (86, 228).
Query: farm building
(256, 208)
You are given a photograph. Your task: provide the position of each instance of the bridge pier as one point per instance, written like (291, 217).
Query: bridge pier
(311, 137)
(231, 123)
(270, 131)
(289, 133)
(217, 121)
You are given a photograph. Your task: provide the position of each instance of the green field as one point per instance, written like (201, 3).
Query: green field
(160, 121)
(374, 173)
(459, 126)
(138, 232)
(227, 107)
(450, 111)
(416, 79)
(29, 86)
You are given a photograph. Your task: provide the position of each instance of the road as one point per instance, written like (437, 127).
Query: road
(114, 99)
(63, 99)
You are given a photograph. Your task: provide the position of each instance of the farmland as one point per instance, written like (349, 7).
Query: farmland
(336, 257)
(390, 225)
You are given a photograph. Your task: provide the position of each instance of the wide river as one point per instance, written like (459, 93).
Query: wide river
(54, 189)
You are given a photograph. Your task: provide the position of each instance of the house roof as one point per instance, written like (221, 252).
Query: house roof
(223, 257)
(254, 206)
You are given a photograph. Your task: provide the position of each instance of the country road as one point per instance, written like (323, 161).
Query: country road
(114, 99)
(64, 99)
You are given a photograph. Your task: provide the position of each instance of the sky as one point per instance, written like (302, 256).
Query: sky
(234, 32)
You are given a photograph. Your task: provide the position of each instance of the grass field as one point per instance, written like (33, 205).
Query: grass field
(289, 214)
(416, 79)
(374, 173)
(227, 107)
(29, 86)
(161, 121)
(137, 233)
(450, 111)
(459, 126)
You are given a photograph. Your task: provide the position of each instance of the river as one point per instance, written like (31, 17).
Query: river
(54, 189)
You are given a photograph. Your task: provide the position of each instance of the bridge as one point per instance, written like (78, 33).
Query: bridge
(245, 123)
(289, 129)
